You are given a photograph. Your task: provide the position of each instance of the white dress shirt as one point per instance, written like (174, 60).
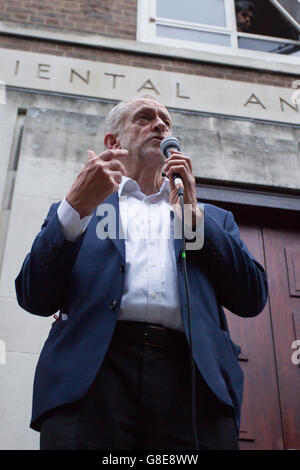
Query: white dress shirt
(151, 287)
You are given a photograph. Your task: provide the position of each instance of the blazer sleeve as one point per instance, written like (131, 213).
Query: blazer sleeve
(240, 281)
(45, 272)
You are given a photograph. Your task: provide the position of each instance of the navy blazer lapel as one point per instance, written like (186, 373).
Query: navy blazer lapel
(111, 206)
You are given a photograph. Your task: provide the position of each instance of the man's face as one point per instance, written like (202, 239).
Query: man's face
(244, 19)
(143, 127)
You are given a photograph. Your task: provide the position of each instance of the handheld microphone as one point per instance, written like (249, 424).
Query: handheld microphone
(166, 145)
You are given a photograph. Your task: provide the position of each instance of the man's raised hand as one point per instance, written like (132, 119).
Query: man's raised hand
(100, 177)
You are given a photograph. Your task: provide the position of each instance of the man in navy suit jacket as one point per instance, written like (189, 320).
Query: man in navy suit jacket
(114, 371)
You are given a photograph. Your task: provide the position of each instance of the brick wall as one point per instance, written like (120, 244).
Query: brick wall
(115, 18)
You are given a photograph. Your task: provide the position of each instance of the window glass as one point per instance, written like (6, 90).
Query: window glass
(265, 20)
(192, 35)
(276, 47)
(210, 12)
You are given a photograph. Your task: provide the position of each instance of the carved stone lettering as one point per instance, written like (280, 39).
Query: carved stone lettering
(148, 85)
(178, 93)
(86, 80)
(114, 75)
(42, 70)
(17, 67)
(282, 102)
(254, 100)
(115, 81)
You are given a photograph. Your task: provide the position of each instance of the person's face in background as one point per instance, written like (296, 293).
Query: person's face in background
(244, 20)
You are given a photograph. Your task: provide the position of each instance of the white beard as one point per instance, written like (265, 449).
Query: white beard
(151, 153)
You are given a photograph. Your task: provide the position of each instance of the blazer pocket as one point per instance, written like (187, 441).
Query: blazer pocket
(235, 347)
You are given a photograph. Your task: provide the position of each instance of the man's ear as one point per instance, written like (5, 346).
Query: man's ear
(112, 141)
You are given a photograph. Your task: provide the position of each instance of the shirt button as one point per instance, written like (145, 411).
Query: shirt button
(154, 295)
(113, 304)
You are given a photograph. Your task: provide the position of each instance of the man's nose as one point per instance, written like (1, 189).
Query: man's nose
(159, 124)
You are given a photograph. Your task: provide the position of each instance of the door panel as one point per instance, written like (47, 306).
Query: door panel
(282, 251)
(292, 257)
(261, 423)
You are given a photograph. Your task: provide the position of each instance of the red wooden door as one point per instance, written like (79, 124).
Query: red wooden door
(282, 253)
(261, 422)
(271, 405)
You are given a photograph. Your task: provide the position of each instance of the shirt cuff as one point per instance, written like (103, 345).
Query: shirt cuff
(71, 224)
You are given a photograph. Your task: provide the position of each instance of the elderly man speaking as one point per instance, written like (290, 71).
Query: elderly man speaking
(115, 371)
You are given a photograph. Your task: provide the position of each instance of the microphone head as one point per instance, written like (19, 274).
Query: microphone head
(169, 143)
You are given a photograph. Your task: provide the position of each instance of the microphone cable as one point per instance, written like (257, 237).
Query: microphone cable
(166, 145)
(192, 363)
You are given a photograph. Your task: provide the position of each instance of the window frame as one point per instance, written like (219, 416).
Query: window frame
(146, 33)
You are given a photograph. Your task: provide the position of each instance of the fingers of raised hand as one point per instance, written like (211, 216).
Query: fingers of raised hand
(116, 166)
(91, 154)
(114, 176)
(175, 155)
(179, 170)
(101, 163)
(112, 169)
(107, 155)
(177, 166)
(111, 154)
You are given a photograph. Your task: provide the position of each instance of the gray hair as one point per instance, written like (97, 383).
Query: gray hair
(114, 120)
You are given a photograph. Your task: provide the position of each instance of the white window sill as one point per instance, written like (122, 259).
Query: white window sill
(242, 58)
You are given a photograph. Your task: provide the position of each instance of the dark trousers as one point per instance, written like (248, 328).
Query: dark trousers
(141, 399)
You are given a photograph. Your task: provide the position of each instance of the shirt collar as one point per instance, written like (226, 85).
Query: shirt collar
(129, 186)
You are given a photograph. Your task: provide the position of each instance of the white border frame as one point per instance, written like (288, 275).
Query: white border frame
(146, 32)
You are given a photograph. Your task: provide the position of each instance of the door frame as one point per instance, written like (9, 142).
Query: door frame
(209, 190)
